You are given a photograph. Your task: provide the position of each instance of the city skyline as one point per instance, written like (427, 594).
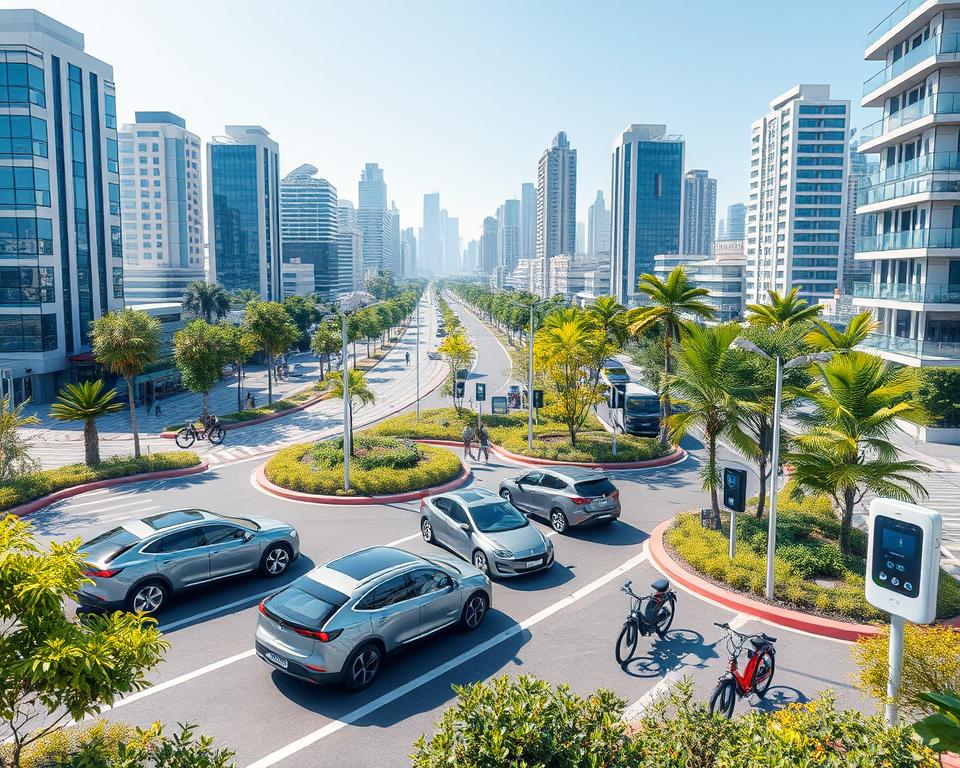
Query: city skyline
(423, 152)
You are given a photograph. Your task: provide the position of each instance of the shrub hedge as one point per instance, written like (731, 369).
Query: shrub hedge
(807, 532)
(296, 468)
(36, 484)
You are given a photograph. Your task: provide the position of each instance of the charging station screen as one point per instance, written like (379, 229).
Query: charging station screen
(896, 556)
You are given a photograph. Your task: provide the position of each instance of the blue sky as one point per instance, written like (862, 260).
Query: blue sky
(462, 98)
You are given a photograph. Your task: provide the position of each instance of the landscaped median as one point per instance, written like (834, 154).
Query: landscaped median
(818, 589)
(298, 401)
(30, 492)
(551, 443)
(382, 469)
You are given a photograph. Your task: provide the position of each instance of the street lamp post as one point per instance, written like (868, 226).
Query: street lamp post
(418, 358)
(530, 383)
(781, 366)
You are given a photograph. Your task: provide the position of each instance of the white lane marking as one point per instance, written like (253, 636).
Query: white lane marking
(405, 538)
(137, 503)
(125, 515)
(358, 714)
(636, 709)
(96, 501)
(739, 620)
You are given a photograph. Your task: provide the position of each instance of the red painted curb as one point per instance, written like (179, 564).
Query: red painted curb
(260, 419)
(76, 490)
(465, 476)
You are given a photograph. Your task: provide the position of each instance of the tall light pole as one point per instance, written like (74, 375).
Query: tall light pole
(797, 362)
(418, 357)
(531, 305)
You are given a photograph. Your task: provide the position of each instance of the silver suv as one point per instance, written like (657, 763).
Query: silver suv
(138, 565)
(339, 621)
(564, 496)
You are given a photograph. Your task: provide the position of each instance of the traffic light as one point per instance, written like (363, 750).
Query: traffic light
(459, 389)
(481, 392)
(538, 398)
(735, 489)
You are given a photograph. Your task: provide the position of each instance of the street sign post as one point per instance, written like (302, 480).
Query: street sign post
(498, 406)
(903, 569)
(481, 392)
(734, 499)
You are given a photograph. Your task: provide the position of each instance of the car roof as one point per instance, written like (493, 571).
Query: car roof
(474, 497)
(366, 563)
(612, 362)
(165, 522)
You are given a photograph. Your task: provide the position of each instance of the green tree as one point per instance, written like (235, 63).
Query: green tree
(54, 669)
(783, 311)
(269, 325)
(303, 312)
(126, 343)
(459, 353)
(671, 300)
(826, 338)
(86, 402)
(382, 285)
(846, 449)
(610, 315)
(14, 447)
(209, 301)
(325, 342)
(200, 351)
(939, 394)
(239, 347)
(706, 377)
(360, 392)
(243, 296)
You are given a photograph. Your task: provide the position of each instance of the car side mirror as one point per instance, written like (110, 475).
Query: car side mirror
(465, 527)
(248, 535)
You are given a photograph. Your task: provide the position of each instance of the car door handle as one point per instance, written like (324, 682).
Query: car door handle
(383, 620)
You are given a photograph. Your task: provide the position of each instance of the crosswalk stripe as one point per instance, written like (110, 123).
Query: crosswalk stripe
(135, 503)
(96, 501)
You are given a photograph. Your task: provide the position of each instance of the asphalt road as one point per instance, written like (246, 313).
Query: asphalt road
(560, 625)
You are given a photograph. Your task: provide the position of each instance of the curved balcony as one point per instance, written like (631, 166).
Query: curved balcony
(944, 350)
(911, 239)
(892, 190)
(932, 161)
(897, 15)
(947, 103)
(933, 46)
(931, 293)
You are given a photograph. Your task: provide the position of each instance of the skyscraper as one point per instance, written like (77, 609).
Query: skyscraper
(375, 220)
(598, 227)
(309, 230)
(528, 221)
(471, 257)
(408, 251)
(798, 195)
(556, 203)
(508, 237)
(396, 257)
(647, 181)
(60, 230)
(350, 243)
(431, 237)
(699, 212)
(162, 238)
(243, 200)
(451, 244)
(736, 216)
(859, 179)
(489, 256)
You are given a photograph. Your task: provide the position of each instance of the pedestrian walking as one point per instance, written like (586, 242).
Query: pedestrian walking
(253, 402)
(407, 355)
(483, 440)
(468, 434)
(157, 410)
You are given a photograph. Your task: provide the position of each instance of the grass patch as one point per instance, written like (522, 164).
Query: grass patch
(37, 484)
(510, 432)
(382, 465)
(807, 550)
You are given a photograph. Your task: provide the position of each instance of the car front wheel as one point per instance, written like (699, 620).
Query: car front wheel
(276, 560)
(426, 530)
(474, 611)
(506, 495)
(148, 597)
(480, 562)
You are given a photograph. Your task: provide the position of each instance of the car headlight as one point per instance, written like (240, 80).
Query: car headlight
(549, 545)
(293, 533)
(503, 553)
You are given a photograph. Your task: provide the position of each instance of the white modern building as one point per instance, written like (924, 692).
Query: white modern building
(396, 255)
(162, 236)
(61, 261)
(699, 212)
(573, 275)
(914, 197)
(598, 228)
(243, 203)
(528, 221)
(350, 242)
(722, 276)
(451, 244)
(796, 210)
(297, 278)
(508, 236)
(556, 203)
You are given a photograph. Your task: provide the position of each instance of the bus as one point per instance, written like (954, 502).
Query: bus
(641, 411)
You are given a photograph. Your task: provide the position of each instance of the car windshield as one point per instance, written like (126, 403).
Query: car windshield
(499, 516)
(615, 371)
(646, 405)
(599, 487)
(295, 606)
(241, 521)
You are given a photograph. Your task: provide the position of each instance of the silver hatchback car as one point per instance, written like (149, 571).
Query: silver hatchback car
(340, 620)
(140, 564)
(486, 530)
(564, 496)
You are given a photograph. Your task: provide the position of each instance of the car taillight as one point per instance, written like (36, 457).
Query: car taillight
(615, 495)
(261, 607)
(323, 637)
(579, 500)
(103, 573)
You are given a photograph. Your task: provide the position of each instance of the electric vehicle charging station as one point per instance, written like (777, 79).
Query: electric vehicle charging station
(903, 569)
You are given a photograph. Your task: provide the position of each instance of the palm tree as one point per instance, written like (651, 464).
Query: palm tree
(14, 447)
(86, 402)
(207, 300)
(243, 296)
(782, 311)
(359, 392)
(671, 299)
(847, 451)
(826, 338)
(126, 343)
(704, 383)
(610, 317)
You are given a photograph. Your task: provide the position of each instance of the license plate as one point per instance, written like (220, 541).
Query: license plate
(603, 501)
(534, 563)
(278, 660)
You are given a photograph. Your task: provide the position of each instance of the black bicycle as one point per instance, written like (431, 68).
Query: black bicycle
(653, 613)
(209, 429)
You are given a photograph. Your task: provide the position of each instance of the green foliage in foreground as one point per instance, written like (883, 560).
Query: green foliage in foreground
(525, 722)
(510, 432)
(318, 467)
(36, 484)
(806, 550)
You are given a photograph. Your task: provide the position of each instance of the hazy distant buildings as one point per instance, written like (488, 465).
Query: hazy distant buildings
(243, 199)
(489, 257)
(699, 212)
(646, 174)
(859, 179)
(375, 220)
(528, 221)
(471, 257)
(736, 216)
(450, 250)
(408, 251)
(350, 243)
(556, 203)
(598, 227)
(508, 243)
(396, 258)
(430, 243)
(581, 246)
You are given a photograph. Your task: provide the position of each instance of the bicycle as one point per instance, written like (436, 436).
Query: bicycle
(656, 615)
(756, 677)
(210, 429)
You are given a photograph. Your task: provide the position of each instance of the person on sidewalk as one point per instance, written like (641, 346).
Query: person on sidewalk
(483, 440)
(468, 434)
(407, 356)
(157, 410)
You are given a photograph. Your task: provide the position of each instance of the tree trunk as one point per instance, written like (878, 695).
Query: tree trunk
(846, 520)
(712, 468)
(239, 386)
(665, 393)
(133, 418)
(91, 443)
(206, 404)
(762, 468)
(350, 417)
(269, 378)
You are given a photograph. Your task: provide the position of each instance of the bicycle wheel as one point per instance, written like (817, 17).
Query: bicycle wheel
(763, 673)
(627, 641)
(216, 434)
(185, 438)
(723, 698)
(665, 615)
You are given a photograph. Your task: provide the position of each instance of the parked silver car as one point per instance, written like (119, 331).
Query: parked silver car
(340, 620)
(140, 564)
(486, 530)
(564, 496)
